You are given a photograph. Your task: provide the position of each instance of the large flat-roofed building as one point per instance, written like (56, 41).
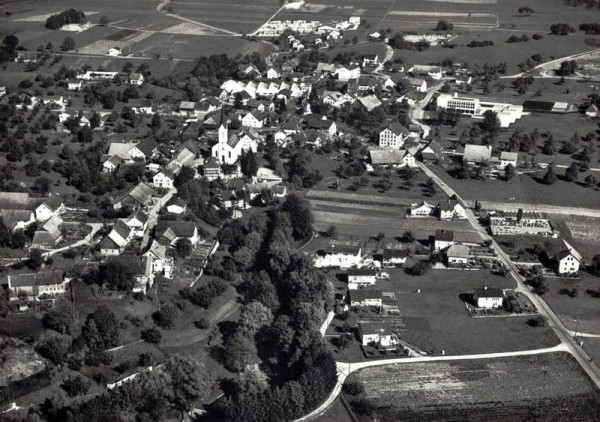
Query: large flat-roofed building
(507, 113)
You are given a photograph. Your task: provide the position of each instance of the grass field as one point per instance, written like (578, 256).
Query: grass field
(436, 318)
(584, 308)
(336, 413)
(545, 387)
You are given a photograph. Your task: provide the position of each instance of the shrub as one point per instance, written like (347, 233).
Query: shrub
(165, 318)
(353, 388)
(537, 321)
(151, 335)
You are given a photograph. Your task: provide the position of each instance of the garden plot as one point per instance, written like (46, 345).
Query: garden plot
(102, 46)
(543, 387)
(583, 228)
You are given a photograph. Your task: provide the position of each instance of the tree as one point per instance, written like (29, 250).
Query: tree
(591, 181)
(549, 146)
(189, 382)
(53, 348)
(572, 172)
(75, 386)
(155, 123)
(41, 185)
(151, 335)
(550, 176)
(525, 11)
(62, 317)
(332, 231)
(300, 215)
(419, 268)
(35, 260)
(509, 172)
(596, 265)
(95, 121)
(443, 25)
(431, 186)
(102, 329)
(103, 20)
(68, 44)
(117, 274)
(183, 247)
(165, 318)
(85, 135)
(254, 316)
(491, 123)
(239, 351)
(567, 68)
(248, 163)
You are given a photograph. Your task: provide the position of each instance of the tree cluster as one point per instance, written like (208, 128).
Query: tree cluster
(561, 29)
(64, 18)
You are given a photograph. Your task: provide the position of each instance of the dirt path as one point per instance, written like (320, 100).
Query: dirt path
(546, 65)
(283, 6)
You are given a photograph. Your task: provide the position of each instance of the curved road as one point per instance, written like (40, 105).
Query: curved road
(345, 369)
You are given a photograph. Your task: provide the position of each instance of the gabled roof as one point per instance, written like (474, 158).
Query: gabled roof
(157, 249)
(448, 205)
(141, 193)
(458, 251)
(121, 149)
(570, 250)
(385, 156)
(381, 328)
(43, 278)
(53, 225)
(140, 216)
(179, 228)
(390, 253)
(122, 229)
(316, 122)
(421, 205)
(509, 156)
(397, 129)
(362, 272)
(147, 146)
(12, 217)
(489, 293)
(444, 235)
(370, 102)
(477, 153)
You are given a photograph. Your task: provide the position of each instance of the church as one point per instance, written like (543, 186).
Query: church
(231, 144)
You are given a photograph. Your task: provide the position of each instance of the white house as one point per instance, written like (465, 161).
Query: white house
(393, 257)
(17, 219)
(443, 239)
(49, 208)
(507, 158)
(379, 334)
(592, 111)
(336, 255)
(121, 234)
(488, 298)
(138, 222)
(393, 135)
(272, 73)
(423, 209)
(346, 73)
(361, 277)
(37, 285)
(177, 207)
(74, 85)
(568, 260)
(419, 85)
(164, 179)
(457, 255)
(115, 51)
(451, 209)
(170, 232)
(112, 164)
(136, 79)
(160, 261)
(366, 297)
(254, 119)
(322, 124)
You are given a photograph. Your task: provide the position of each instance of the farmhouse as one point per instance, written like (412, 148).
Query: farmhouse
(36, 286)
(422, 209)
(379, 334)
(164, 179)
(322, 124)
(169, 232)
(568, 260)
(419, 85)
(450, 209)
(341, 255)
(443, 239)
(477, 154)
(346, 73)
(457, 255)
(139, 196)
(507, 158)
(393, 135)
(592, 111)
(366, 297)
(392, 157)
(160, 260)
(138, 222)
(361, 277)
(115, 51)
(136, 79)
(393, 257)
(26, 57)
(74, 85)
(177, 207)
(488, 298)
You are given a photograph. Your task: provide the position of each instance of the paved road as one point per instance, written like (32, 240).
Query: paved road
(153, 216)
(416, 113)
(561, 331)
(545, 65)
(345, 369)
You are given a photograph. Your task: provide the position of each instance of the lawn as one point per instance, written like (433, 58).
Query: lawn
(436, 319)
(523, 189)
(336, 413)
(544, 387)
(585, 308)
